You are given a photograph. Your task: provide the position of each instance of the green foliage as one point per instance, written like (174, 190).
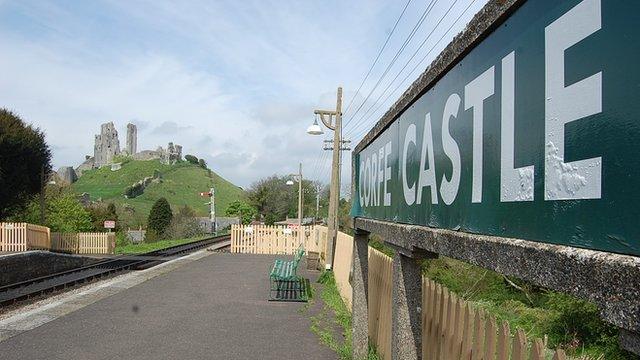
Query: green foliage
(191, 159)
(24, 155)
(181, 185)
(335, 313)
(241, 209)
(570, 323)
(63, 212)
(184, 225)
(377, 243)
(100, 212)
(159, 219)
(202, 163)
(122, 240)
(344, 216)
(134, 190)
(66, 214)
(275, 200)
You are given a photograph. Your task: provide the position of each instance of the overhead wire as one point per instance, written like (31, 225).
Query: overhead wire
(404, 9)
(360, 133)
(408, 61)
(425, 13)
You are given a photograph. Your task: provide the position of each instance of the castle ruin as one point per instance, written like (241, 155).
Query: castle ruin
(132, 139)
(106, 145)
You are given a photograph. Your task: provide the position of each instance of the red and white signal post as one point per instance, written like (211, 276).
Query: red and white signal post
(212, 203)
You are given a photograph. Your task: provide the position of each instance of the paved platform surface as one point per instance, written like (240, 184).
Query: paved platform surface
(211, 308)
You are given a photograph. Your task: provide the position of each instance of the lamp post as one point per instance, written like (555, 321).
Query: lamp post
(298, 177)
(327, 117)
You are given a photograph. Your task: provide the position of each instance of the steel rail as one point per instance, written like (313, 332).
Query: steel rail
(19, 291)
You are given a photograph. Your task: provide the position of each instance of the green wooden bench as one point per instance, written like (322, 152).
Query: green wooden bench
(285, 284)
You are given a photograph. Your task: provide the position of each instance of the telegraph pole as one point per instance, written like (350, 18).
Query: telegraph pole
(334, 194)
(300, 203)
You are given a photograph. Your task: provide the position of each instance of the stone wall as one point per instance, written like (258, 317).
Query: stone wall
(67, 174)
(24, 266)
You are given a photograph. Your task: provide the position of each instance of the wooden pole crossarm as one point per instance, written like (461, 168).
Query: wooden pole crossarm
(324, 113)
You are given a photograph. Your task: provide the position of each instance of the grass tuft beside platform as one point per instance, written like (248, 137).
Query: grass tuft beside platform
(157, 245)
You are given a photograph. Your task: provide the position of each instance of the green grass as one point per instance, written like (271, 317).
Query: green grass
(325, 328)
(158, 245)
(181, 185)
(570, 323)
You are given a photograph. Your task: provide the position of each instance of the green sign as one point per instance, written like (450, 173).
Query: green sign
(534, 134)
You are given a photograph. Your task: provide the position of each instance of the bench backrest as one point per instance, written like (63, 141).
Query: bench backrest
(299, 255)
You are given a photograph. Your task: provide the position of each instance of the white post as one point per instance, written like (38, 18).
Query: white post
(213, 210)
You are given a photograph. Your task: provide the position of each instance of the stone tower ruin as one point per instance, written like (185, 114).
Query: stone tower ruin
(106, 146)
(132, 139)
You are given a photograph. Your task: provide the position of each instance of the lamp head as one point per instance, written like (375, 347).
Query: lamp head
(315, 129)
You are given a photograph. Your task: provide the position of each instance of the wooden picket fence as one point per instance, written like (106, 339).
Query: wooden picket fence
(451, 327)
(23, 237)
(266, 239)
(83, 243)
(380, 295)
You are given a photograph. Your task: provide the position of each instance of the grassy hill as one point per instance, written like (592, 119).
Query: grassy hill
(181, 185)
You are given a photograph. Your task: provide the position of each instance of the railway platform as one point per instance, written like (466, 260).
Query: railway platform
(203, 306)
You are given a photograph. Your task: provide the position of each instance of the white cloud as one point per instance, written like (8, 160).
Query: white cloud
(233, 82)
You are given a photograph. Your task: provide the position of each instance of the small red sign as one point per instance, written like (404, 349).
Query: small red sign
(109, 224)
(207, 194)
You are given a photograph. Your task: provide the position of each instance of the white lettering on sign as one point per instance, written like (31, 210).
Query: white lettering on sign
(578, 179)
(387, 173)
(475, 93)
(408, 191)
(449, 187)
(427, 176)
(515, 184)
(581, 179)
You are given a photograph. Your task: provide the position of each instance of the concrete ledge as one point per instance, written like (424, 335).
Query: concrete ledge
(612, 281)
(483, 23)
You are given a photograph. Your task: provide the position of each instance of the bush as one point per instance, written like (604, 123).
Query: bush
(99, 213)
(191, 159)
(134, 190)
(24, 155)
(122, 239)
(578, 321)
(184, 225)
(159, 219)
(202, 163)
(66, 214)
(241, 209)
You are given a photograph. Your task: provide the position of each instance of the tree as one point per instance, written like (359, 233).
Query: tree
(159, 219)
(202, 163)
(275, 200)
(184, 224)
(99, 213)
(241, 209)
(24, 155)
(191, 159)
(66, 214)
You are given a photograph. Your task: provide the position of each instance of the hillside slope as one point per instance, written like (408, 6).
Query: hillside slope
(181, 185)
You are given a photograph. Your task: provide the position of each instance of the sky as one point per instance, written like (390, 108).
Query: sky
(233, 82)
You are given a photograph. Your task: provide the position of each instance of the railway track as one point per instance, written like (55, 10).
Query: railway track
(20, 291)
